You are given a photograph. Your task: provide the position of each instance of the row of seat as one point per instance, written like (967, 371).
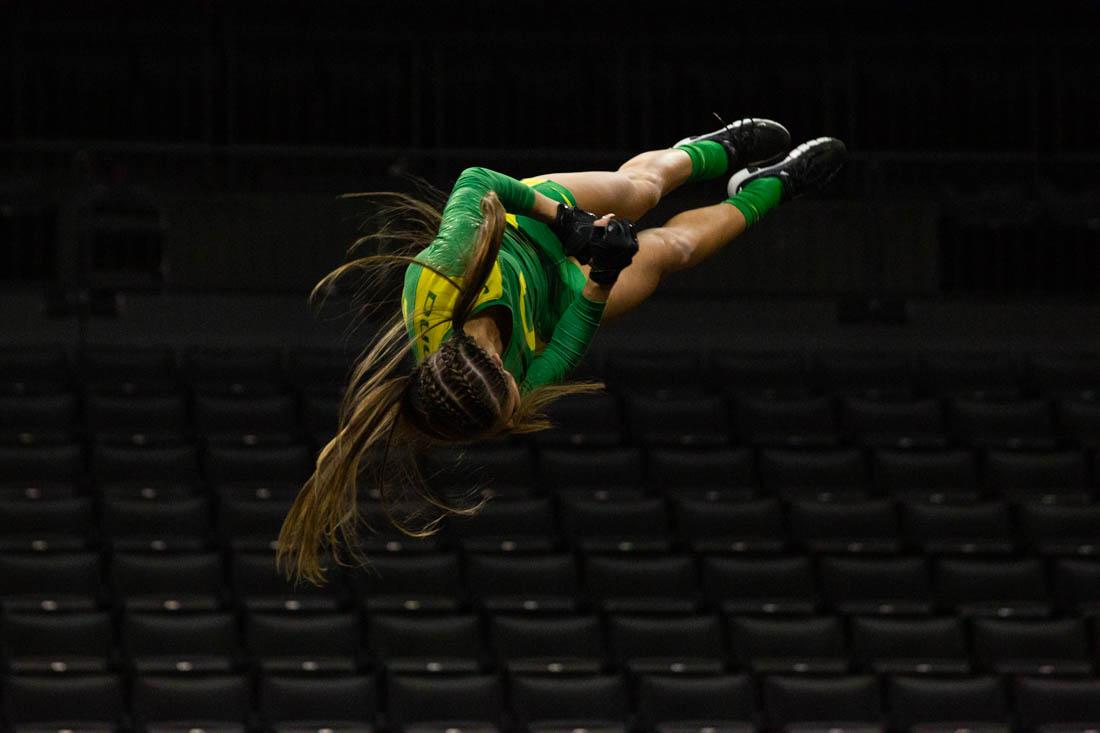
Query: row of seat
(517, 469)
(653, 583)
(521, 702)
(589, 420)
(649, 524)
(325, 643)
(788, 373)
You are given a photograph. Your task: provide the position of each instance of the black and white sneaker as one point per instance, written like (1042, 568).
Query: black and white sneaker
(749, 142)
(808, 167)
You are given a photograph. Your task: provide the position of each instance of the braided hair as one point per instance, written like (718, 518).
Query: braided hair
(457, 392)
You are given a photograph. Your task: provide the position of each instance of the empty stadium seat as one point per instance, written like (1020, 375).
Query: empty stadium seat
(730, 526)
(1049, 705)
(931, 705)
(1057, 476)
(929, 646)
(670, 645)
(882, 585)
(590, 420)
(812, 704)
(50, 525)
(808, 422)
(318, 372)
(1017, 424)
(166, 643)
(992, 587)
(28, 370)
(172, 525)
(322, 643)
(128, 369)
(383, 536)
(505, 470)
(949, 530)
(909, 424)
(789, 645)
(154, 472)
(60, 643)
(137, 419)
(259, 586)
(855, 527)
(668, 703)
(410, 582)
(426, 643)
(232, 371)
(41, 471)
(249, 420)
(936, 475)
(697, 421)
(176, 582)
(51, 582)
(775, 375)
(871, 375)
(218, 703)
(723, 473)
(1074, 375)
(783, 585)
(250, 525)
(662, 374)
(822, 475)
(1077, 585)
(92, 702)
(642, 584)
(1059, 647)
(535, 582)
(626, 525)
(1060, 529)
(439, 704)
(1079, 421)
(570, 644)
(972, 375)
(258, 465)
(559, 704)
(340, 703)
(36, 419)
(513, 525)
(615, 471)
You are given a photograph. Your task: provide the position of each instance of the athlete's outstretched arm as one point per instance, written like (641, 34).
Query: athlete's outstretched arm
(571, 337)
(462, 214)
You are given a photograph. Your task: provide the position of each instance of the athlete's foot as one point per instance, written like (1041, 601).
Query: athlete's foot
(808, 167)
(749, 142)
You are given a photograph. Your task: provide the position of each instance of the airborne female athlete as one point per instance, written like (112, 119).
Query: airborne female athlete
(503, 300)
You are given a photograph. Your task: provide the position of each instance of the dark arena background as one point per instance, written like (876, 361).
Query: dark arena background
(843, 478)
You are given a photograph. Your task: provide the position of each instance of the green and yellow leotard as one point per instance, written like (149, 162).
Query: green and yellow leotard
(552, 322)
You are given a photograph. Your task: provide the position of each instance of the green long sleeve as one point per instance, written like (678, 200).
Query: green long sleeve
(567, 346)
(462, 214)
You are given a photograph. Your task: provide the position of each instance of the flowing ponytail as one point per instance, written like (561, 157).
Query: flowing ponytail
(373, 428)
(384, 424)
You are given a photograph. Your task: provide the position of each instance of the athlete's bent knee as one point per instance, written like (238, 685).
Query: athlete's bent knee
(647, 188)
(676, 247)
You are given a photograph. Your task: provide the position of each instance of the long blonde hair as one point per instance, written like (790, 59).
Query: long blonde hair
(377, 428)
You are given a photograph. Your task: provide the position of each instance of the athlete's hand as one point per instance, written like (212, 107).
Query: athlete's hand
(574, 228)
(613, 245)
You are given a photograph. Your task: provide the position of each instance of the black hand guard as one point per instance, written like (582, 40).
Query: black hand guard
(574, 228)
(613, 247)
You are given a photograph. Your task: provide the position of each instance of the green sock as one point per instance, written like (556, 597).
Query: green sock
(708, 159)
(757, 198)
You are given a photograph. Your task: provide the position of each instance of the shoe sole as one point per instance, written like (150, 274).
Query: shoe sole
(740, 177)
(742, 123)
